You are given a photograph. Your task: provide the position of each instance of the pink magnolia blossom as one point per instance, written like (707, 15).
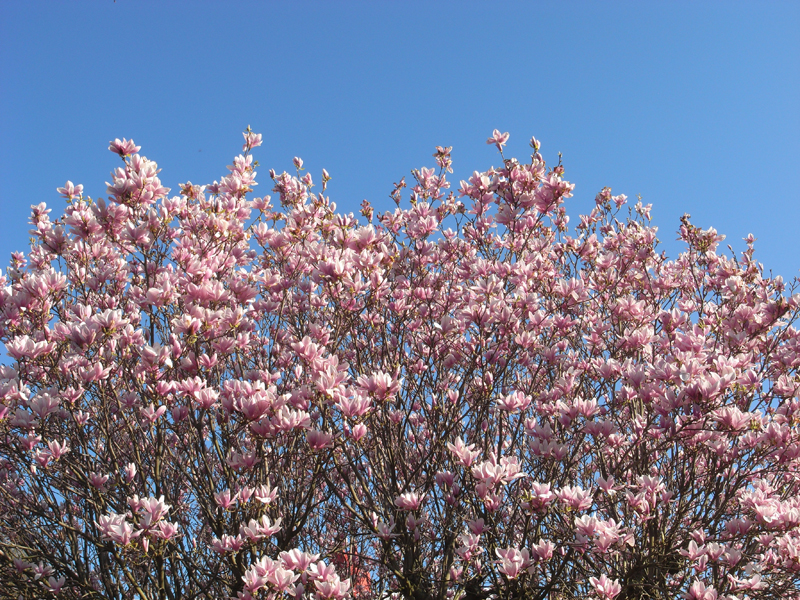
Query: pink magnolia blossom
(129, 472)
(54, 585)
(605, 587)
(116, 528)
(225, 499)
(251, 140)
(574, 497)
(152, 510)
(24, 347)
(123, 147)
(333, 588)
(513, 561)
(359, 431)
(265, 494)
(57, 449)
(70, 191)
(297, 560)
(98, 480)
(151, 414)
(465, 453)
(41, 570)
(699, 591)
(319, 440)
(409, 501)
(167, 530)
(498, 139)
(227, 543)
(514, 402)
(544, 550)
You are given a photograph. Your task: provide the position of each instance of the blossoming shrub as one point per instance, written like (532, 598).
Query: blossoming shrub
(209, 396)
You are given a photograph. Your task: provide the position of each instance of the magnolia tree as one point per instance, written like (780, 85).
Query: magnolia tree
(211, 396)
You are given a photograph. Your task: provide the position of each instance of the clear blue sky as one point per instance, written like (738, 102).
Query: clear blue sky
(693, 105)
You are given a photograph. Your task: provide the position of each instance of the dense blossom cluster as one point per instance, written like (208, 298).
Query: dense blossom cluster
(208, 396)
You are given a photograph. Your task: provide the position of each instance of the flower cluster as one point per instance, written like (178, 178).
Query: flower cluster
(214, 394)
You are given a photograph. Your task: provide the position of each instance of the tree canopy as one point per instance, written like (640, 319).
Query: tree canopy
(215, 394)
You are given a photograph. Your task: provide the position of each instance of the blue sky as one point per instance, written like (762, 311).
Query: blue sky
(693, 105)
